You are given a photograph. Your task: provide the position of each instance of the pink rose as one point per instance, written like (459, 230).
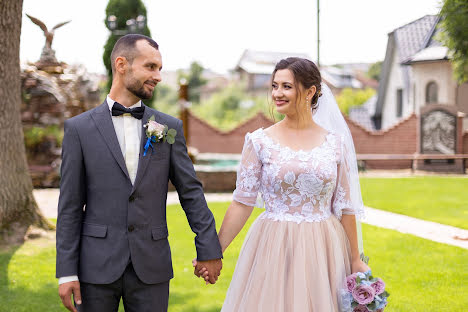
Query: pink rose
(363, 294)
(361, 308)
(351, 282)
(379, 286)
(155, 128)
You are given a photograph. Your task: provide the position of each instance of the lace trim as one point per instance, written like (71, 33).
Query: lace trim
(296, 217)
(277, 146)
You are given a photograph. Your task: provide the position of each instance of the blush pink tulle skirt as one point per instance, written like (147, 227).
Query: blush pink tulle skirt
(289, 267)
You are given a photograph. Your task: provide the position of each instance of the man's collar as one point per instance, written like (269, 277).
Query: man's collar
(110, 103)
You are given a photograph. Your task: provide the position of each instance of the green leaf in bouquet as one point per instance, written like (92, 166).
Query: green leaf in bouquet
(170, 139)
(364, 258)
(165, 130)
(372, 306)
(354, 304)
(172, 132)
(358, 280)
(151, 118)
(385, 294)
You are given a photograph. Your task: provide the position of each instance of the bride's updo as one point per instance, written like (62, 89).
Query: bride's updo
(305, 72)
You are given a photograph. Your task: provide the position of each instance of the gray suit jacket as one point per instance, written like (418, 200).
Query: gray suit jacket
(104, 221)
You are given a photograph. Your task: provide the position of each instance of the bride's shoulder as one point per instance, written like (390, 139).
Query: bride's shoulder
(255, 134)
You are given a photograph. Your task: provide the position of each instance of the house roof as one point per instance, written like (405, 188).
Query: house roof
(408, 40)
(434, 53)
(263, 62)
(340, 78)
(362, 115)
(414, 36)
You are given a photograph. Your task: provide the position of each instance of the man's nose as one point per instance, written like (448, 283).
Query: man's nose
(157, 76)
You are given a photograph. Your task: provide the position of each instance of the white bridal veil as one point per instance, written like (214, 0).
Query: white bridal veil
(329, 117)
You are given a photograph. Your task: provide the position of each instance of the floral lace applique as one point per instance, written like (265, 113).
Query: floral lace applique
(304, 185)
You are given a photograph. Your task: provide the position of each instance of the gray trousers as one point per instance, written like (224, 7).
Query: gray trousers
(136, 295)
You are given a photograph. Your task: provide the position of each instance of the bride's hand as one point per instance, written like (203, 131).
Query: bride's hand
(203, 273)
(359, 266)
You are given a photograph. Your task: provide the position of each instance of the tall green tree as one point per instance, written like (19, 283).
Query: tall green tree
(123, 10)
(18, 208)
(454, 35)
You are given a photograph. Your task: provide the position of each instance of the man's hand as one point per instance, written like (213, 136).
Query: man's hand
(210, 269)
(65, 292)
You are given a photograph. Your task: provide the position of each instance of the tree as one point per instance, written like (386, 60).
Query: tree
(123, 10)
(454, 35)
(349, 98)
(18, 208)
(195, 80)
(374, 70)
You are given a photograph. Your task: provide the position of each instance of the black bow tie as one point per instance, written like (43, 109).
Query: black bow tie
(118, 109)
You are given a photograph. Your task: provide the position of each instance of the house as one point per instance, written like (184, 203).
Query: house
(254, 69)
(416, 72)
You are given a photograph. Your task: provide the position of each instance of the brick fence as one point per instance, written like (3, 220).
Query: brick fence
(402, 138)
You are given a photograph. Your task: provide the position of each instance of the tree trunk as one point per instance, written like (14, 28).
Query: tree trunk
(18, 208)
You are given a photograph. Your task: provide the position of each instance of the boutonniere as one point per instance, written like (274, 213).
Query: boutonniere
(156, 132)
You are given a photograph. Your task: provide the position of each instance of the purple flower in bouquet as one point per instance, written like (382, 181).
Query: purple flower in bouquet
(363, 294)
(361, 308)
(379, 286)
(351, 282)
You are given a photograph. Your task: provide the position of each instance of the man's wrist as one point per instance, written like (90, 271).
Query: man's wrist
(66, 279)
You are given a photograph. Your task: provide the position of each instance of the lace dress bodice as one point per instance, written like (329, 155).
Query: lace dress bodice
(304, 185)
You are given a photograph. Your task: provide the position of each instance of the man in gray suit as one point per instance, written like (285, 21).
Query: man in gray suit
(111, 227)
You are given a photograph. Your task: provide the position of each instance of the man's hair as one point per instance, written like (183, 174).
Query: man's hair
(125, 47)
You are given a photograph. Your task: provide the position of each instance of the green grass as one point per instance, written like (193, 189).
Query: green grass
(421, 275)
(438, 199)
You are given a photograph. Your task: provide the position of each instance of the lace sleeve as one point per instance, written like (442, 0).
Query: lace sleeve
(343, 201)
(248, 174)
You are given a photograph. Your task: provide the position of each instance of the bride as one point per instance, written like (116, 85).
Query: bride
(298, 252)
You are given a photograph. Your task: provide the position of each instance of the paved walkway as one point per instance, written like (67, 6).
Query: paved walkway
(47, 200)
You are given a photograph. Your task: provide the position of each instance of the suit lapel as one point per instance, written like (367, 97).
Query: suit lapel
(143, 161)
(103, 121)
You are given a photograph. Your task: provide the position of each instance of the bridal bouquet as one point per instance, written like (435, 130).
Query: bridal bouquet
(364, 293)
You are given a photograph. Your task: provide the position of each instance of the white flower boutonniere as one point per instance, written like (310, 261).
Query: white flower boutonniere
(156, 132)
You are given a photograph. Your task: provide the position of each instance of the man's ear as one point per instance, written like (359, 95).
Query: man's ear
(121, 64)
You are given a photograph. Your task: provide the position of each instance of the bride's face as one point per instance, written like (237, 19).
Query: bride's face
(286, 92)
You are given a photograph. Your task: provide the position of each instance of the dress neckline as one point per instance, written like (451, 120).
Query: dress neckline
(274, 142)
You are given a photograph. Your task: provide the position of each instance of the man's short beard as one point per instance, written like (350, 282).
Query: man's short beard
(138, 88)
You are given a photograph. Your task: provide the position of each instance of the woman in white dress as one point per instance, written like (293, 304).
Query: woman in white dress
(298, 252)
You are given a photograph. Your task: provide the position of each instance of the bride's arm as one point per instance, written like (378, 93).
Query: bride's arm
(234, 220)
(349, 225)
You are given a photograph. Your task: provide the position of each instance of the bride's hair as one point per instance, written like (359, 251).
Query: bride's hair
(305, 72)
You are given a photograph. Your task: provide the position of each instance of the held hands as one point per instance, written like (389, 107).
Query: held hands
(66, 290)
(209, 270)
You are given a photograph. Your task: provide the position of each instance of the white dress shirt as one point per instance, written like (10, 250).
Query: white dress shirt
(128, 131)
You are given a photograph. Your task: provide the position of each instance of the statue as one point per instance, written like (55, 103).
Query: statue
(48, 54)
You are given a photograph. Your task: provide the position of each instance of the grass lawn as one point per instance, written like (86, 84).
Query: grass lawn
(438, 199)
(421, 275)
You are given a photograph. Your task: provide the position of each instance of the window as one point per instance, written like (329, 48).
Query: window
(399, 108)
(431, 93)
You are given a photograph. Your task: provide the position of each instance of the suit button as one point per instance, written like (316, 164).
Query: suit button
(131, 228)
(131, 198)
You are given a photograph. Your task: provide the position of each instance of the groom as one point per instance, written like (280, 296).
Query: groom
(111, 227)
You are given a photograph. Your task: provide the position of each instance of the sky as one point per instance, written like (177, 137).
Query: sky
(216, 32)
